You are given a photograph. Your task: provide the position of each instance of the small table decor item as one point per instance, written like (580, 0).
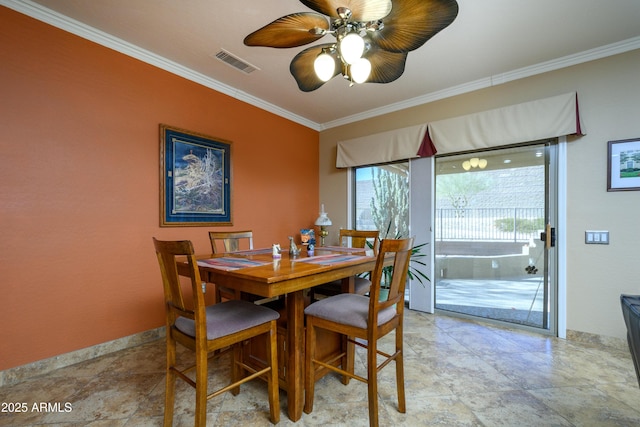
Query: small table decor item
(293, 249)
(195, 179)
(276, 251)
(623, 167)
(307, 236)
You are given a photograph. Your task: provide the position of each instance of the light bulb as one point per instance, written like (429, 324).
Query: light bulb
(325, 67)
(466, 165)
(351, 48)
(360, 70)
(482, 163)
(474, 162)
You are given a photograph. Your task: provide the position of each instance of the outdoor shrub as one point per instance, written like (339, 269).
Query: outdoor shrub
(523, 225)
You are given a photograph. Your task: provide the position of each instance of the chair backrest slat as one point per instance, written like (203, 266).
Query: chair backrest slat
(169, 253)
(400, 249)
(359, 238)
(232, 241)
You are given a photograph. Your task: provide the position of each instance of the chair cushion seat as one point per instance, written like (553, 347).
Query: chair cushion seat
(229, 317)
(348, 309)
(361, 286)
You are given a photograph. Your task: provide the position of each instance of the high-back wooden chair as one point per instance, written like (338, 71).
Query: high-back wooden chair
(229, 241)
(207, 329)
(351, 239)
(366, 319)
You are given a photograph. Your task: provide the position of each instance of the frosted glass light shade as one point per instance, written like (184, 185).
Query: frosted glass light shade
(325, 66)
(351, 48)
(360, 70)
(323, 219)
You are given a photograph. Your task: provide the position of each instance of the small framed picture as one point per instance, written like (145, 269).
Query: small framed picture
(623, 167)
(195, 179)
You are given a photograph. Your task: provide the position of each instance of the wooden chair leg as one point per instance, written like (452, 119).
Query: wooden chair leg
(402, 408)
(274, 389)
(372, 382)
(348, 360)
(217, 298)
(201, 388)
(170, 382)
(236, 370)
(310, 354)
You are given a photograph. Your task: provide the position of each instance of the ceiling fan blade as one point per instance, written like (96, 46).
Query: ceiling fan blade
(385, 66)
(412, 22)
(361, 10)
(302, 68)
(289, 31)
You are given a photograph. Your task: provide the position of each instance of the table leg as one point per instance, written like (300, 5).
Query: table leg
(295, 350)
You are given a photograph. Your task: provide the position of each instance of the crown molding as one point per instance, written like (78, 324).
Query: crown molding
(521, 73)
(48, 16)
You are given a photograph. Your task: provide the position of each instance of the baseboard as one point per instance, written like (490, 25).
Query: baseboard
(602, 340)
(21, 373)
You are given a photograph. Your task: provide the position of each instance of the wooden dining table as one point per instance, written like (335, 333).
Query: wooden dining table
(257, 272)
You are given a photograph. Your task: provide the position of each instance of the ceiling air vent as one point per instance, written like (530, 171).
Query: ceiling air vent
(235, 62)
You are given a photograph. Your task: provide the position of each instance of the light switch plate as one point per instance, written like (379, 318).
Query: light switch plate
(596, 237)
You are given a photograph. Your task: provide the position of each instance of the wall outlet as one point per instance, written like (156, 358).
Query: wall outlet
(596, 237)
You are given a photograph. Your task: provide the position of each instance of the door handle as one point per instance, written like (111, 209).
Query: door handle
(548, 236)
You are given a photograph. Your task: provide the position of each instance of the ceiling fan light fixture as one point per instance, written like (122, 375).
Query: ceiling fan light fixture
(324, 66)
(373, 26)
(351, 47)
(360, 70)
(384, 31)
(344, 13)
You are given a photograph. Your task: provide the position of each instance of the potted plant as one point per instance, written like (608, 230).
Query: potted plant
(414, 273)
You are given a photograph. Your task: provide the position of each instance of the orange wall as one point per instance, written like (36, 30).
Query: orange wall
(79, 185)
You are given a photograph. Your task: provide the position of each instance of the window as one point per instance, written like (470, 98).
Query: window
(381, 197)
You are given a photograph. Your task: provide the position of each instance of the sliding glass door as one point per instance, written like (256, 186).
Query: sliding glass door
(491, 208)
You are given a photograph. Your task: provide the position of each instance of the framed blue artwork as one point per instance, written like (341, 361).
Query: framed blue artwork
(195, 179)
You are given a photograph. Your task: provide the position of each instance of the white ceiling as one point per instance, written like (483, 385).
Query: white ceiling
(490, 42)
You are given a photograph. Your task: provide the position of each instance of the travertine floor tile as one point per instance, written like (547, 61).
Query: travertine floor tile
(457, 373)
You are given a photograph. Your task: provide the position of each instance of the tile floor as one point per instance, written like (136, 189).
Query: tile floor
(517, 300)
(458, 373)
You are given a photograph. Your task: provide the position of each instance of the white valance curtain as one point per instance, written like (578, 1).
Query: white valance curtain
(529, 121)
(385, 147)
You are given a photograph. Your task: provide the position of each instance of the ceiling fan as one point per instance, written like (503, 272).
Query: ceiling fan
(373, 37)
